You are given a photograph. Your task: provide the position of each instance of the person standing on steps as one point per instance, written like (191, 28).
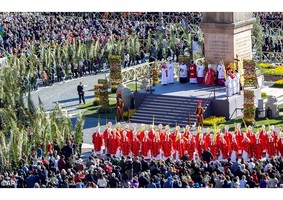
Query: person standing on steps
(81, 92)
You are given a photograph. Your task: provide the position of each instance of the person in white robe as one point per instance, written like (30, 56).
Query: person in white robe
(221, 76)
(200, 72)
(183, 73)
(164, 74)
(229, 86)
(170, 68)
(237, 86)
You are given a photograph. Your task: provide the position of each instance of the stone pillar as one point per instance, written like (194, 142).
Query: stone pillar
(226, 35)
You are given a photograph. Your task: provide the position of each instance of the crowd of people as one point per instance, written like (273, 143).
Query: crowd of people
(127, 158)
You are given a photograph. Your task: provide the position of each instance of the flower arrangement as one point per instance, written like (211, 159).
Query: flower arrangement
(155, 78)
(102, 91)
(115, 71)
(249, 107)
(278, 84)
(264, 65)
(213, 120)
(249, 75)
(276, 71)
(96, 94)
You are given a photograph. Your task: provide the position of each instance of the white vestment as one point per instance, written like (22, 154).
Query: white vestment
(200, 71)
(229, 86)
(164, 80)
(183, 71)
(220, 69)
(170, 68)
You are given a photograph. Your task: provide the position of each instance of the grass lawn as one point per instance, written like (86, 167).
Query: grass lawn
(92, 111)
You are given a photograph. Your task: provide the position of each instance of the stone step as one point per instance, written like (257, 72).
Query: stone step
(164, 115)
(161, 121)
(162, 110)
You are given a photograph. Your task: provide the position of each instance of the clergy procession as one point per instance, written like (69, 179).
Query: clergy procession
(199, 74)
(161, 143)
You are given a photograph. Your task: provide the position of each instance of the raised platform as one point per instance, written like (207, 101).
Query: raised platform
(214, 98)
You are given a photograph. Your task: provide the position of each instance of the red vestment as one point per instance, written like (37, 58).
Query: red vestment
(49, 147)
(162, 135)
(114, 144)
(193, 71)
(179, 146)
(263, 138)
(200, 147)
(251, 136)
(239, 137)
(207, 140)
(257, 149)
(274, 135)
(106, 136)
(233, 147)
(191, 147)
(173, 136)
(135, 146)
(271, 146)
(140, 135)
(151, 134)
(246, 146)
(167, 146)
(125, 145)
(187, 134)
(97, 141)
(145, 146)
(280, 146)
(213, 149)
(156, 145)
(222, 146)
(129, 134)
(209, 77)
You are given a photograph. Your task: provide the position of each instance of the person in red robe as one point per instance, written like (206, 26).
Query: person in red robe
(179, 146)
(151, 132)
(191, 146)
(233, 153)
(129, 132)
(251, 135)
(271, 149)
(246, 146)
(97, 141)
(167, 147)
(200, 145)
(174, 134)
(193, 72)
(114, 143)
(119, 130)
(257, 147)
(280, 146)
(125, 144)
(156, 146)
(209, 76)
(273, 133)
(228, 137)
(213, 147)
(239, 137)
(223, 148)
(107, 134)
(141, 133)
(162, 134)
(146, 145)
(135, 145)
(263, 138)
(187, 132)
(207, 139)
(49, 147)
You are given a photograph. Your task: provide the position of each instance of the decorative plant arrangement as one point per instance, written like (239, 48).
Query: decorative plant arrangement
(249, 108)
(250, 79)
(115, 72)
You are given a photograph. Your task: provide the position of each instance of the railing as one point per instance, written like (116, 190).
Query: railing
(267, 56)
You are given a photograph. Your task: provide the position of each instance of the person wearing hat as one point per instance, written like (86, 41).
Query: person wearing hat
(183, 73)
(200, 72)
(97, 140)
(164, 74)
(221, 73)
(193, 72)
(170, 68)
(199, 112)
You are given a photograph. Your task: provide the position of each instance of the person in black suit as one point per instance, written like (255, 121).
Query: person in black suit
(80, 90)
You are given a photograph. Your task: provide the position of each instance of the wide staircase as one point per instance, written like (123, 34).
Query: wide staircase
(170, 110)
